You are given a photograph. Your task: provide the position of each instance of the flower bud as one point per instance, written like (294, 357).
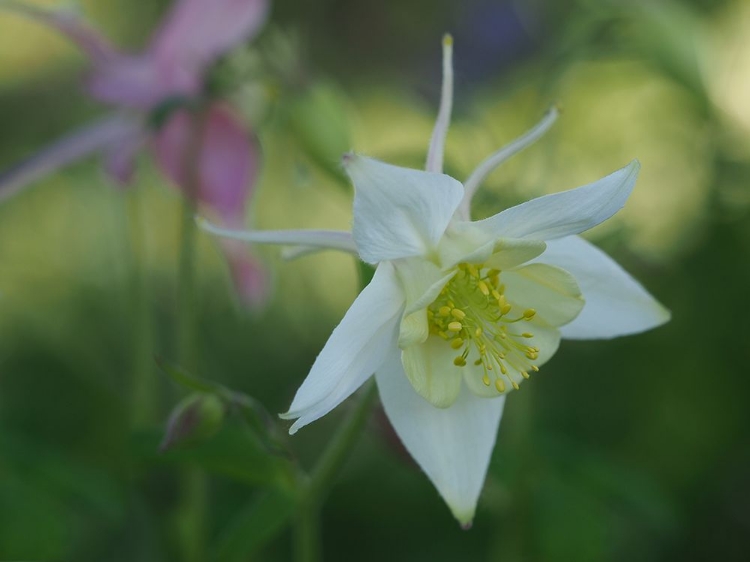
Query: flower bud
(196, 418)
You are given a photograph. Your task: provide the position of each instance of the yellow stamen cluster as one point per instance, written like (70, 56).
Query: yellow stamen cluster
(472, 314)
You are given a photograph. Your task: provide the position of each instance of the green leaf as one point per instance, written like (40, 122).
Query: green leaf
(254, 526)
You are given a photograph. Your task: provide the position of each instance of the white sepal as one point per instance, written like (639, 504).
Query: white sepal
(452, 445)
(569, 212)
(356, 348)
(399, 212)
(616, 304)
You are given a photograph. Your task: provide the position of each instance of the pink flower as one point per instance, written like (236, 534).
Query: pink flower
(173, 67)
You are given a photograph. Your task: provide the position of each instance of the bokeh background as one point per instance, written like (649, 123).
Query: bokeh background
(634, 449)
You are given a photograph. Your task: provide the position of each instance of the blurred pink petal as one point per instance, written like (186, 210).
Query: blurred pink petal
(128, 81)
(227, 167)
(101, 136)
(119, 159)
(227, 159)
(249, 276)
(196, 32)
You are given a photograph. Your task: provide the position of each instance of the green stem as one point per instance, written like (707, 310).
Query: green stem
(325, 471)
(187, 348)
(191, 519)
(143, 397)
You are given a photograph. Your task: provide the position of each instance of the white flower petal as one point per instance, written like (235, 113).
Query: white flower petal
(356, 348)
(430, 370)
(569, 212)
(421, 281)
(494, 160)
(552, 292)
(512, 252)
(452, 445)
(616, 304)
(437, 142)
(399, 212)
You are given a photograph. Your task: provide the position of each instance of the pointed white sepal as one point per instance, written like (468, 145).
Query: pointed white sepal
(616, 304)
(399, 212)
(569, 212)
(452, 445)
(356, 348)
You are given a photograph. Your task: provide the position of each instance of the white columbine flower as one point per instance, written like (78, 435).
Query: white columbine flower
(460, 313)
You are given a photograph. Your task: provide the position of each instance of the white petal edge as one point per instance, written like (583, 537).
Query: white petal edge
(569, 212)
(494, 160)
(323, 239)
(399, 212)
(453, 446)
(437, 142)
(356, 348)
(616, 304)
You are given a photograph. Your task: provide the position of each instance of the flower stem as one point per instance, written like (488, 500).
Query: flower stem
(191, 518)
(143, 393)
(325, 471)
(187, 348)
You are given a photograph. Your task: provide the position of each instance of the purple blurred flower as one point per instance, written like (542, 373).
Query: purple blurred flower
(173, 67)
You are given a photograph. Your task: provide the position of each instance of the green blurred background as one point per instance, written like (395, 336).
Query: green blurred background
(634, 449)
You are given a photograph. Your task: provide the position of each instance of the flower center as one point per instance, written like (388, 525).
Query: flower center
(473, 314)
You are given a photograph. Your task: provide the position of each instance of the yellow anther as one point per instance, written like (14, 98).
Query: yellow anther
(535, 368)
(470, 314)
